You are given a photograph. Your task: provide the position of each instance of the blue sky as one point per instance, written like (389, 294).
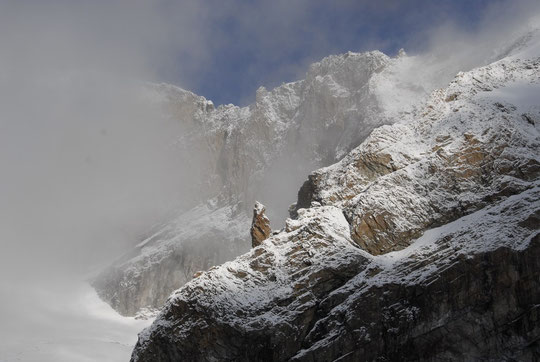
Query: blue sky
(225, 49)
(246, 44)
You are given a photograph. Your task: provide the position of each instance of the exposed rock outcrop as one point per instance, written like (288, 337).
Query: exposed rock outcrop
(242, 152)
(421, 244)
(425, 173)
(260, 226)
(465, 291)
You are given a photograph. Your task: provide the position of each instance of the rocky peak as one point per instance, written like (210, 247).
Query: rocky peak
(421, 244)
(260, 226)
(239, 152)
(301, 126)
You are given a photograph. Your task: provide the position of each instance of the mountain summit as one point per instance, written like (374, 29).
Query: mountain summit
(263, 152)
(422, 243)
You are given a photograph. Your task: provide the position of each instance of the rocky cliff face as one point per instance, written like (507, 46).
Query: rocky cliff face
(309, 295)
(420, 244)
(426, 172)
(237, 153)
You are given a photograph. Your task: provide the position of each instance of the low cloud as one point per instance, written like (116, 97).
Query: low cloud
(87, 168)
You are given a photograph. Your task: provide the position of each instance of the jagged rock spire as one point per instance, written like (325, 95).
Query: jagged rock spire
(260, 226)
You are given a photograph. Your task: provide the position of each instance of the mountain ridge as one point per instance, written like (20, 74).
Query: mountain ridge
(259, 151)
(397, 250)
(244, 151)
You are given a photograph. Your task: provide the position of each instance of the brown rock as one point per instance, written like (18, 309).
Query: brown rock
(260, 227)
(480, 306)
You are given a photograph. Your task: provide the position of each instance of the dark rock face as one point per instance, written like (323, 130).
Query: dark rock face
(448, 299)
(481, 308)
(260, 226)
(305, 196)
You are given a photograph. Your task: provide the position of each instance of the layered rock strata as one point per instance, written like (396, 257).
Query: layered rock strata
(421, 244)
(263, 149)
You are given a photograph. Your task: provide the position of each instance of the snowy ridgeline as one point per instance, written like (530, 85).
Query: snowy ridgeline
(264, 151)
(432, 222)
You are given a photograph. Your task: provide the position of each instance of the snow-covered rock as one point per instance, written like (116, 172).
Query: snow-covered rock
(264, 151)
(469, 145)
(422, 243)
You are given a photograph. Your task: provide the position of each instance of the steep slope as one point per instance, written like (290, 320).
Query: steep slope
(416, 175)
(264, 149)
(421, 244)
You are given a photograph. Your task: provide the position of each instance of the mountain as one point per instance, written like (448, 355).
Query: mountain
(261, 151)
(422, 243)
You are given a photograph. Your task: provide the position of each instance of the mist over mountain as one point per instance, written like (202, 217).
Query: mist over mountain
(390, 150)
(420, 244)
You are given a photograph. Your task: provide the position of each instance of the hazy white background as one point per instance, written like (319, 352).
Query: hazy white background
(86, 167)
